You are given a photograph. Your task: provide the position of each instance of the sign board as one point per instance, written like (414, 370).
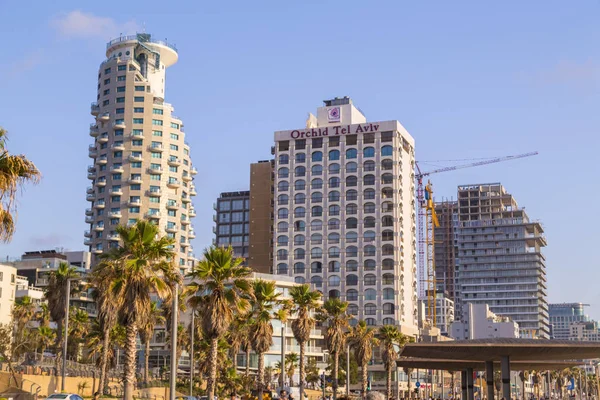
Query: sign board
(418, 384)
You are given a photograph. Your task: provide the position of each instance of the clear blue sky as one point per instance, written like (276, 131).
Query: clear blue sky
(468, 79)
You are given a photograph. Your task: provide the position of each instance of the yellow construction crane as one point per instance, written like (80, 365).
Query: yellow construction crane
(431, 222)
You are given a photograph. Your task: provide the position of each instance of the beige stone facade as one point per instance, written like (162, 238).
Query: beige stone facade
(141, 165)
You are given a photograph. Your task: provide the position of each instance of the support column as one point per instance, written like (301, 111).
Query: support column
(463, 385)
(489, 379)
(505, 368)
(470, 387)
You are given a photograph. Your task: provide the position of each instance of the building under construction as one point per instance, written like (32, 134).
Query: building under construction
(446, 246)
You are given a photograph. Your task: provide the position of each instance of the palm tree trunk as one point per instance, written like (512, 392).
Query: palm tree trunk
(336, 367)
(212, 376)
(146, 361)
(301, 369)
(247, 361)
(260, 379)
(388, 383)
(408, 384)
(103, 381)
(59, 335)
(365, 378)
(130, 361)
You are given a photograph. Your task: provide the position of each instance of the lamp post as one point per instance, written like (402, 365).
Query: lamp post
(66, 339)
(174, 325)
(282, 373)
(192, 366)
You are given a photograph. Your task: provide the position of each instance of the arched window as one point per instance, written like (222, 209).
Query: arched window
(317, 170)
(334, 196)
(300, 158)
(369, 194)
(369, 165)
(333, 238)
(299, 212)
(283, 186)
(351, 237)
(387, 179)
(370, 321)
(351, 209)
(387, 206)
(387, 264)
(351, 181)
(300, 184)
(334, 169)
(283, 199)
(388, 308)
(387, 279)
(282, 254)
(316, 197)
(369, 265)
(299, 226)
(370, 309)
(300, 171)
(316, 267)
(334, 266)
(334, 252)
(370, 251)
(282, 213)
(387, 220)
(316, 281)
(299, 254)
(284, 159)
(370, 294)
(299, 198)
(387, 193)
(282, 240)
(299, 268)
(282, 269)
(389, 321)
(316, 211)
(283, 172)
(387, 151)
(316, 225)
(334, 210)
(351, 266)
(316, 183)
(352, 295)
(351, 194)
(351, 280)
(387, 165)
(299, 240)
(334, 155)
(370, 280)
(317, 156)
(333, 280)
(316, 238)
(334, 294)
(333, 223)
(351, 153)
(282, 226)
(369, 179)
(334, 182)
(387, 235)
(388, 294)
(387, 250)
(316, 253)
(300, 280)
(351, 223)
(369, 152)
(351, 167)
(369, 222)
(352, 308)
(369, 208)
(369, 236)
(351, 251)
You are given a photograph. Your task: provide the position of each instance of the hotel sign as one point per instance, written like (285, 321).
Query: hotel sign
(338, 130)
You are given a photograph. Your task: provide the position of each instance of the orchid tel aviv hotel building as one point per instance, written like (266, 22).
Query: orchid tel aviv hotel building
(141, 166)
(345, 212)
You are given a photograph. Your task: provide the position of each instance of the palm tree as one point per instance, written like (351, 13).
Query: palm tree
(265, 298)
(15, 170)
(23, 312)
(154, 317)
(524, 376)
(408, 372)
(334, 314)
(238, 337)
(390, 336)
(291, 363)
(45, 337)
(362, 339)
(304, 302)
(42, 314)
(221, 291)
(78, 329)
(141, 265)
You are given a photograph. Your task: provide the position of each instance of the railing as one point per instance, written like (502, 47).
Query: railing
(141, 39)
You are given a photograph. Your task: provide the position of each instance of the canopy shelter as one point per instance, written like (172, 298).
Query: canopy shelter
(460, 365)
(522, 352)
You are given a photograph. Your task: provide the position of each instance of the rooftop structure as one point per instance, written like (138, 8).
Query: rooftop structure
(478, 322)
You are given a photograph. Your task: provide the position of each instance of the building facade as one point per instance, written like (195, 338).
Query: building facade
(478, 322)
(232, 221)
(8, 286)
(444, 312)
(562, 315)
(260, 252)
(345, 212)
(500, 261)
(141, 166)
(446, 246)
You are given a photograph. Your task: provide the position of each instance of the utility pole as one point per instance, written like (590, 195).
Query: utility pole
(174, 325)
(347, 371)
(282, 373)
(192, 366)
(66, 339)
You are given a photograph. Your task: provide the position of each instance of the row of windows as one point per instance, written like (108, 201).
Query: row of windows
(316, 267)
(333, 155)
(335, 182)
(334, 223)
(334, 252)
(352, 280)
(334, 209)
(351, 140)
(317, 238)
(240, 204)
(333, 169)
(368, 194)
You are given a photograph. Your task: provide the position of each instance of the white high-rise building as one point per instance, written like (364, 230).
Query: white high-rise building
(345, 212)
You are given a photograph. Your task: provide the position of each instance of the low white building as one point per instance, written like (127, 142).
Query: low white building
(8, 278)
(478, 322)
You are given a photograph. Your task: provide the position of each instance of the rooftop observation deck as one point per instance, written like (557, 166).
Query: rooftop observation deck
(168, 52)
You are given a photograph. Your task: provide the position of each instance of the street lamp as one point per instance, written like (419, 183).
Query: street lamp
(174, 325)
(66, 340)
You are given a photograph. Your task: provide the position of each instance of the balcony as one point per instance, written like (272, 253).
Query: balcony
(117, 168)
(94, 109)
(118, 146)
(89, 220)
(174, 161)
(173, 184)
(192, 234)
(102, 138)
(94, 130)
(157, 147)
(97, 251)
(120, 124)
(89, 190)
(87, 234)
(154, 192)
(104, 116)
(91, 175)
(101, 182)
(134, 203)
(172, 205)
(87, 242)
(113, 237)
(153, 215)
(134, 179)
(186, 178)
(89, 212)
(157, 169)
(136, 135)
(102, 160)
(99, 204)
(192, 213)
(185, 199)
(116, 191)
(98, 228)
(136, 157)
(172, 229)
(184, 220)
(193, 191)
(193, 171)
(90, 197)
(92, 152)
